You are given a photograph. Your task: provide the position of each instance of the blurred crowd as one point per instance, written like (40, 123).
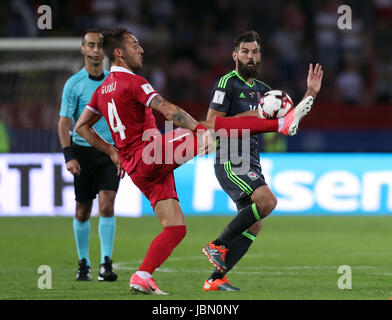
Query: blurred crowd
(188, 44)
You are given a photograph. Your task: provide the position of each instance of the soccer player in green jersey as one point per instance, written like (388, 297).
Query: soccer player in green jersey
(239, 173)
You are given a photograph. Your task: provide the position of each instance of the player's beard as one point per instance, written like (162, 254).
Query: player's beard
(135, 67)
(131, 63)
(247, 71)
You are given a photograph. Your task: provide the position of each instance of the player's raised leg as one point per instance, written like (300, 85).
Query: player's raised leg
(290, 123)
(287, 125)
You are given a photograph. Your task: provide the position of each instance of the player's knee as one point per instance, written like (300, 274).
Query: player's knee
(106, 210)
(177, 233)
(83, 211)
(270, 204)
(82, 217)
(266, 204)
(181, 232)
(274, 202)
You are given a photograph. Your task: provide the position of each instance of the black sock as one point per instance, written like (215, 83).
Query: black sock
(237, 248)
(244, 219)
(216, 275)
(217, 242)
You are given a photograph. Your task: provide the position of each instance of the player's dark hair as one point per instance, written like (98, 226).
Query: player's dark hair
(247, 36)
(112, 39)
(91, 30)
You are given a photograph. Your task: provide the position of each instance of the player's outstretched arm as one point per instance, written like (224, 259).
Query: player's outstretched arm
(84, 126)
(173, 113)
(182, 119)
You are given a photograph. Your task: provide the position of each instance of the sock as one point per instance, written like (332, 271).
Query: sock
(161, 247)
(237, 249)
(216, 275)
(106, 231)
(254, 124)
(144, 274)
(82, 234)
(244, 219)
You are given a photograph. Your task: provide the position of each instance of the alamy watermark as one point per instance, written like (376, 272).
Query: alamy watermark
(44, 281)
(45, 20)
(181, 145)
(345, 280)
(346, 18)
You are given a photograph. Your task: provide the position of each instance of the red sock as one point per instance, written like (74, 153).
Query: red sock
(161, 247)
(254, 124)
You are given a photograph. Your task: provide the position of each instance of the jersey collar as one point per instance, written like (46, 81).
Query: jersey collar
(120, 69)
(241, 78)
(99, 78)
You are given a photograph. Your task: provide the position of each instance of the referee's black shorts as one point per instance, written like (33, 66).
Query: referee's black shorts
(98, 172)
(239, 186)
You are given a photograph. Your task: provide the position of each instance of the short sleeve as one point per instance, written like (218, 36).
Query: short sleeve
(143, 91)
(69, 100)
(93, 104)
(220, 99)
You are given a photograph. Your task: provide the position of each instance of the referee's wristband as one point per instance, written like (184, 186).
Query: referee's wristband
(68, 154)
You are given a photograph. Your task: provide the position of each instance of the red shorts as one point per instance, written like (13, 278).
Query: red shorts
(158, 188)
(154, 172)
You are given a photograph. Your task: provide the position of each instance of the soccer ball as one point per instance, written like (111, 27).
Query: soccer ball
(274, 104)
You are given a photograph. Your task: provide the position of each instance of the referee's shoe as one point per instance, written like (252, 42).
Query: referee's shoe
(84, 271)
(106, 271)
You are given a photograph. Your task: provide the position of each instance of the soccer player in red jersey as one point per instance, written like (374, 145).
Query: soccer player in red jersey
(126, 101)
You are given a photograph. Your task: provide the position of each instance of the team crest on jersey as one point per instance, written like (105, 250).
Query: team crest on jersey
(147, 88)
(252, 175)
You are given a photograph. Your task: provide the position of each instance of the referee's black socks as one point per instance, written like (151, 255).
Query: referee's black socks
(245, 218)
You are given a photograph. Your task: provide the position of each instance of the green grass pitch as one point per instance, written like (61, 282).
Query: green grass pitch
(292, 258)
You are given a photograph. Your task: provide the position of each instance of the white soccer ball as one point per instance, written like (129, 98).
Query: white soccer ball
(274, 104)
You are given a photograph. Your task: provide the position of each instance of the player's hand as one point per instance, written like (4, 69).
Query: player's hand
(117, 162)
(315, 77)
(73, 166)
(207, 143)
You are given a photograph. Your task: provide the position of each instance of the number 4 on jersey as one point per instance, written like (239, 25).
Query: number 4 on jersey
(112, 113)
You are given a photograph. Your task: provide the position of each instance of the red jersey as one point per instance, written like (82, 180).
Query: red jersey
(123, 99)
